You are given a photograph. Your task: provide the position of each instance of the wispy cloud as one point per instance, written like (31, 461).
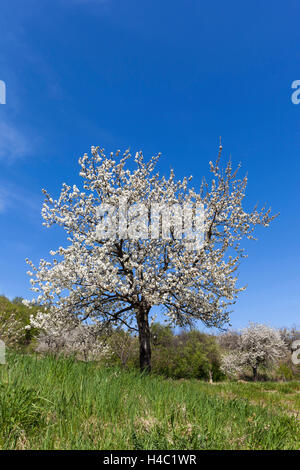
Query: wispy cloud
(3, 202)
(13, 143)
(14, 198)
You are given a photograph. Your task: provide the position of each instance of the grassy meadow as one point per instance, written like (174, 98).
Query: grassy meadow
(49, 403)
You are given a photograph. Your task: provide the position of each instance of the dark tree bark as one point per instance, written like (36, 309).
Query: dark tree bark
(144, 338)
(254, 373)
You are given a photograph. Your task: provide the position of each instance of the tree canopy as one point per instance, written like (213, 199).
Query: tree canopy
(119, 277)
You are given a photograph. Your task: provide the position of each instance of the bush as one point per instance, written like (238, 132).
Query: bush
(187, 355)
(123, 348)
(284, 371)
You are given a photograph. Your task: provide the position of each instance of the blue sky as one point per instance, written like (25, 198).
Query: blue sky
(166, 77)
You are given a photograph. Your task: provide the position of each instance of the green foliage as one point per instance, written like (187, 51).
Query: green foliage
(285, 372)
(161, 335)
(124, 349)
(187, 355)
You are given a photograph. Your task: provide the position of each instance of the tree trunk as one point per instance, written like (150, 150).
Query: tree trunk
(144, 339)
(254, 373)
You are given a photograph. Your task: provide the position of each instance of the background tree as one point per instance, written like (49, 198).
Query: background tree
(289, 335)
(85, 342)
(188, 355)
(258, 345)
(122, 346)
(229, 340)
(14, 320)
(119, 279)
(196, 355)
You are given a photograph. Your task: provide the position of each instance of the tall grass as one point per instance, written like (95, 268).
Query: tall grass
(49, 403)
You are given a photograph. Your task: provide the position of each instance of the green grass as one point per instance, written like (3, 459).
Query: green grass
(64, 404)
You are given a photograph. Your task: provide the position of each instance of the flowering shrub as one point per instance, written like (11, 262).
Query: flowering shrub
(14, 317)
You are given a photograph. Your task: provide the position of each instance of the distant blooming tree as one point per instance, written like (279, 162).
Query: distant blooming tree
(257, 345)
(84, 341)
(117, 276)
(289, 336)
(11, 328)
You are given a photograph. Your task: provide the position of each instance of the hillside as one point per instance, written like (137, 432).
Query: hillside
(48, 403)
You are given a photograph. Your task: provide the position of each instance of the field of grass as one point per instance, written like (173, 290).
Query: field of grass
(47, 403)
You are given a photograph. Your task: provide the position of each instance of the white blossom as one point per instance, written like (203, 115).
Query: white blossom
(258, 344)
